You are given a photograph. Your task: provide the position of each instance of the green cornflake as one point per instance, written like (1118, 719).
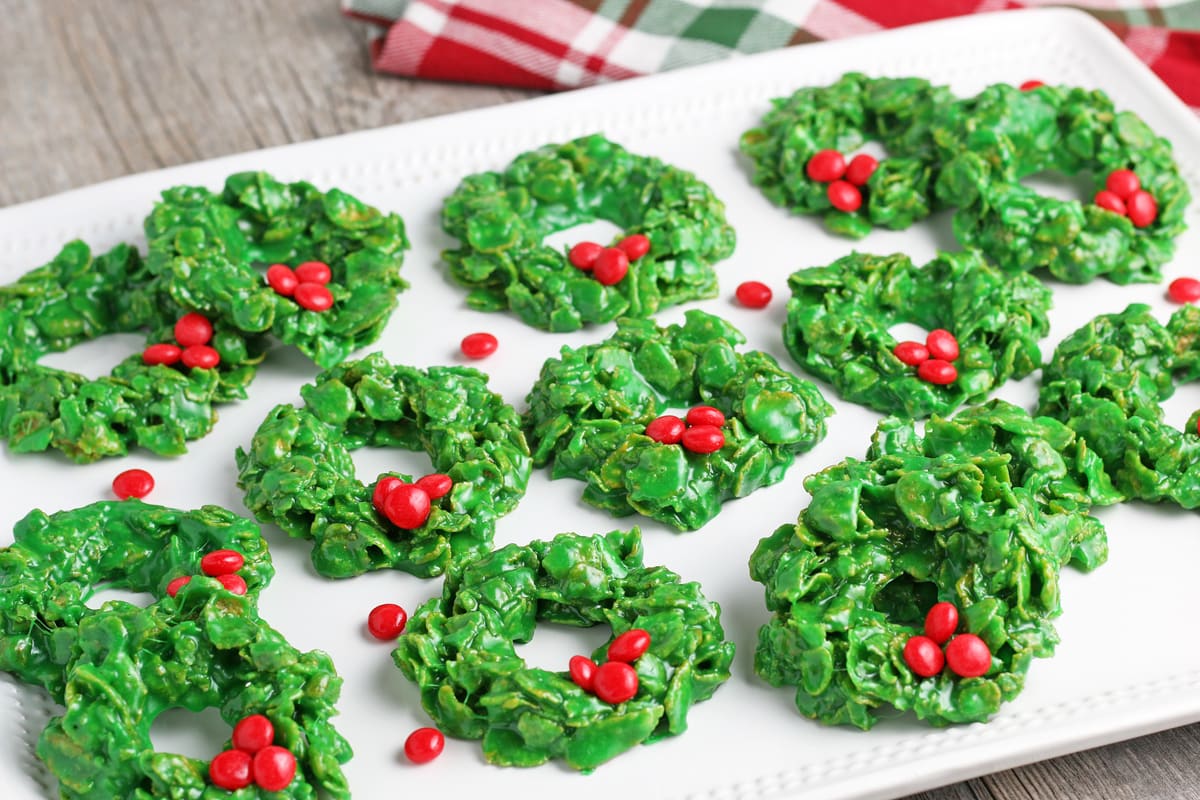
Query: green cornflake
(897, 112)
(76, 298)
(838, 320)
(983, 512)
(298, 472)
(502, 218)
(589, 410)
(992, 141)
(1107, 381)
(459, 650)
(208, 248)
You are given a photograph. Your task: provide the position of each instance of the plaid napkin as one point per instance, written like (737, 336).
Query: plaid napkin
(565, 44)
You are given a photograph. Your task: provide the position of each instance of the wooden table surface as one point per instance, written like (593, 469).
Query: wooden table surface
(95, 89)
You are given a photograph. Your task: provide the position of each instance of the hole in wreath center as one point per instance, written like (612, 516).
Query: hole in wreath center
(196, 734)
(908, 332)
(600, 231)
(553, 644)
(96, 358)
(906, 601)
(371, 462)
(1181, 405)
(104, 594)
(1060, 186)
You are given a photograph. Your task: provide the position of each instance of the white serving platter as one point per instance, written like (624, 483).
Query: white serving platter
(1127, 665)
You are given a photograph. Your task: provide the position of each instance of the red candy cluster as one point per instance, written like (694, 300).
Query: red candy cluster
(193, 332)
(933, 358)
(967, 655)
(614, 681)
(1123, 194)
(254, 759)
(132, 483)
(609, 265)
(700, 432)
(306, 284)
(845, 179)
(220, 564)
(407, 505)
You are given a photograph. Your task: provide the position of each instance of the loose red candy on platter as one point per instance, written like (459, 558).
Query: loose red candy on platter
(178, 583)
(221, 562)
(424, 745)
(253, 733)
(386, 621)
(1122, 182)
(615, 682)
(667, 429)
(167, 354)
(231, 770)
(860, 169)
(282, 279)
(611, 267)
(479, 345)
(1110, 201)
(273, 768)
(233, 583)
(200, 356)
(382, 489)
(1029, 85)
(941, 622)
(193, 329)
(937, 372)
(634, 246)
(844, 196)
(407, 506)
(1141, 208)
(133, 483)
(1184, 290)
(911, 353)
(968, 656)
(923, 656)
(314, 272)
(436, 485)
(705, 415)
(313, 296)
(703, 439)
(583, 672)
(753, 294)
(629, 645)
(826, 166)
(583, 255)
(942, 344)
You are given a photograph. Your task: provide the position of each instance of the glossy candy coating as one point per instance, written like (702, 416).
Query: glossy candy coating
(667, 429)
(313, 296)
(753, 294)
(386, 621)
(1108, 200)
(1184, 290)
(703, 439)
(844, 196)
(615, 682)
(133, 483)
(424, 745)
(705, 415)
(629, 645)
(825, 166)
(611, 266)
(582, 671)
(314, 272)
(407, 506)
(860, 169)
(221, 562)
(230, 770)
(634, 246)
(941, 621)
(968, 656)
(274, 768)
(200, 356)
(479, 345)
(253, 733)
(923, 656)
(583, 255)
(911, 353)
(942, 344)
(937, 372)
(161, 354)
(193, 329)
(282, 279)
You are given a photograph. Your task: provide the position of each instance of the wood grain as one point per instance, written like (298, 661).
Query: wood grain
(95, 89)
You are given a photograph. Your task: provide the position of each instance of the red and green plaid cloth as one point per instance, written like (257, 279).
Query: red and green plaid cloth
(565, 44)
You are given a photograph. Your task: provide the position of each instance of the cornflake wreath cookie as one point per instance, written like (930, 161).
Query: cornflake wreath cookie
(211, 249)
(459, 650)
(600, 414)
(1125, 232)
(839, 317)
(502, 218)
(801, 152)
(298, 472)
(144, 402)
(1107, 382)
(954, 540)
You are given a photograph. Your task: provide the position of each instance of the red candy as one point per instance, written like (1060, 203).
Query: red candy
(753, 294)
(282, 279)
(387, 621)
(705, 415)
(911, 353)
(941, 622)
(1184, 290)
(583, 255)
(611, 266)
(273, 768)
(192, 329)
(861, 168)
(253, 733)
(1110, 201)
(221, 562)
(161, 354)
(436, 485)
(231, 770)
(937, 371)
(479, 345)
(923, 656)
(629, 645)
(424, 745)
(703, 439)
(968, 656)
(233, 583)
(1141, 208)
(942, 344)
(1028, 85)
(667, 429)
(133, 483)
(635, 246)
(313, 296)
(844, 196)
(825, 166)
(178, 583)
(407, 506)
(200, 356)
(314, 272)
(1122, 183)
(615, 682)
(583, 672)
(382, 489)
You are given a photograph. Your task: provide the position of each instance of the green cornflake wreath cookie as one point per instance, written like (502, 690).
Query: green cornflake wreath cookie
(502, 218)
(298, 472)
(896, 112)
(77, 297)
(57, 561)
(589, 410)
(1107, 381)
(838, 320)
(990, 142)
(459, 650)
(983, 512)
(208, 249)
